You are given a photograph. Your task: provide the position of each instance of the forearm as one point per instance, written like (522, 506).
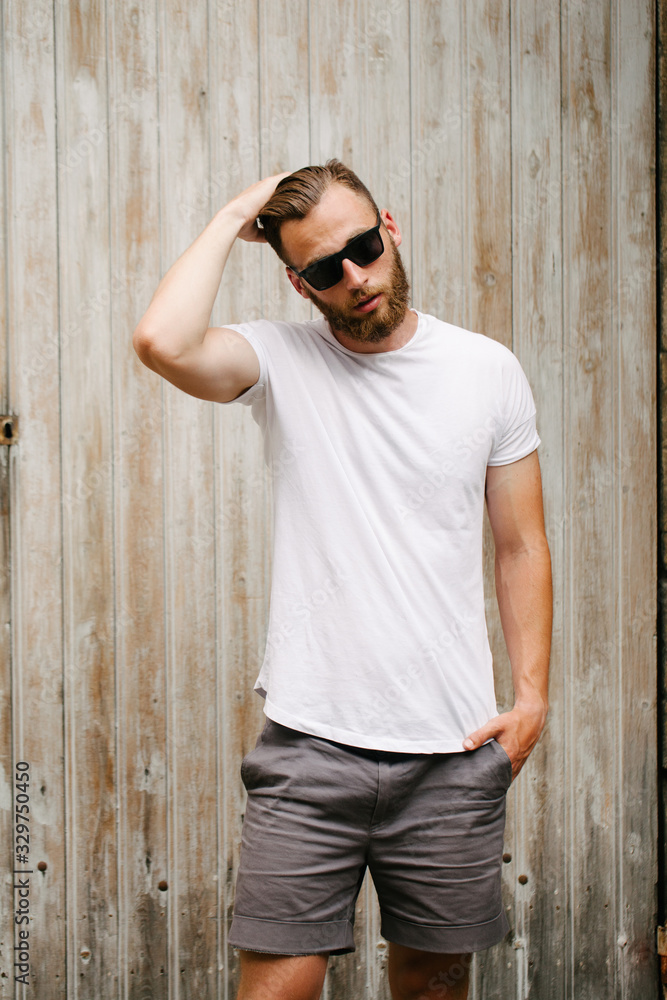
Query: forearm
(180, 311)
(524, 593)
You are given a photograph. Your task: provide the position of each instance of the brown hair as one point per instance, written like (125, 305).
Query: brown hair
(297, 194)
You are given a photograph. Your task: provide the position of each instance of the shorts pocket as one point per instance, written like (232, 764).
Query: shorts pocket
(507, 763)
(251, 753)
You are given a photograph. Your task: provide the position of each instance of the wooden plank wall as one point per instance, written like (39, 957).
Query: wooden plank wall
(514, 143)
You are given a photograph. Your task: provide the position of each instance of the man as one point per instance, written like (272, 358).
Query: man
(385, 431)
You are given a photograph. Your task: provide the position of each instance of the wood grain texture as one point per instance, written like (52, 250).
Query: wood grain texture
(608, 655)
(139, 585)
(188, 499)
(590, 663)
(536, 838)
(6, 746)
(86, 416)
(283, 139)
(514, 145)
(32, 488)
(241, 529)
(633, 310)
(439, 119)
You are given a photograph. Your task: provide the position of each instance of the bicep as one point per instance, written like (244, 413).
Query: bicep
(514, 503)
(220, 368)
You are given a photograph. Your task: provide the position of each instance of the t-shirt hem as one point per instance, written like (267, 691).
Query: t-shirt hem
(520, 453)
(365, 740)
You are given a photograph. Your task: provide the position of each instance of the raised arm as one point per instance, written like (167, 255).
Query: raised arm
(524, 592)
(173, 337)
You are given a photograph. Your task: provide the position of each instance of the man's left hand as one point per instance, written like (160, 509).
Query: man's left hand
(517, 732)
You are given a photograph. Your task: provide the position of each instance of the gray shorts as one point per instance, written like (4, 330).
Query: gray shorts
(428, 826)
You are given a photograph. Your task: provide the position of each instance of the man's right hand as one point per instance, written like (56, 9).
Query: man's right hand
(247, 206)
(173, 338)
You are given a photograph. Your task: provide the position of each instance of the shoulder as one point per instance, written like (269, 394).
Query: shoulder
(473, 343)
(275, 334)
(271, 327)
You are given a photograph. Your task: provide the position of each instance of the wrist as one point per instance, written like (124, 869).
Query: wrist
(240, 212)
(533, 705)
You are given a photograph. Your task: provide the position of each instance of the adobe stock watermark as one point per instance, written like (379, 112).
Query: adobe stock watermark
(379, 25)
(438, 476)
(484, 93)
(86, 313)
(245, 163)
(79, 149)
(302, 610)
(440, 985)
(427, 657)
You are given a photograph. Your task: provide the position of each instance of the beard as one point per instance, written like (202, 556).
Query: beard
(377, 325)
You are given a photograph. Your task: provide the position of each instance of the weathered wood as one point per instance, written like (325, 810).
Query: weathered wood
(608, 673)
(590, 662)
(283, 139)
(633, 312)
(454, 116)
(661, 197)
(141, 704)
(86, 417)
(440, 117)
(188, 498)
(240, 532)
(7, 926)
(537, 844)
(32, 493)
(486, 268)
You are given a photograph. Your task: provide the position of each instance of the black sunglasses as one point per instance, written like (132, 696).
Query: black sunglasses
(362, 250)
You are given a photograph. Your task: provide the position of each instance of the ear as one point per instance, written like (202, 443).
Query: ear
(296, 282)
(391, 227)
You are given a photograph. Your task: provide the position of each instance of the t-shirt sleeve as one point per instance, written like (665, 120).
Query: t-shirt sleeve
(517, 435)
(258, 390)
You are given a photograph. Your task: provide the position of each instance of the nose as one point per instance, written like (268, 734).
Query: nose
(353, 275)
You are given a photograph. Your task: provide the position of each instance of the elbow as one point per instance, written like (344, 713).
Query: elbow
(148, 348)
(141, 342)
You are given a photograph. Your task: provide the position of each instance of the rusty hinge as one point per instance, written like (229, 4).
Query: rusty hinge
(662, 952)
(9, 429)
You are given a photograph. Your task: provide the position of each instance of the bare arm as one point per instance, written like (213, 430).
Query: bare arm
(524, 592)
(173, 337)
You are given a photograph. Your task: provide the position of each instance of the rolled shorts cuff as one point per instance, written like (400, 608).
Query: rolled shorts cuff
(287, 937)
(445, 940)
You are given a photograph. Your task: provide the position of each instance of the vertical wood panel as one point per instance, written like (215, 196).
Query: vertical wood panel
(487, 168)
(591, 533)
(87, 464)
(190, 601)
(485, 187)
(34, 486)
(537, 843)
(139, 523)
(387, 111)
(284, 133)
(241, 528)
(6, 400)
(338, 81)
(439, 116)
(633, 309)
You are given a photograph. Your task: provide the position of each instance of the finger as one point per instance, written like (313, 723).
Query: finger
(480, 736)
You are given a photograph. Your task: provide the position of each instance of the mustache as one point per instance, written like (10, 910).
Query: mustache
(364, 295)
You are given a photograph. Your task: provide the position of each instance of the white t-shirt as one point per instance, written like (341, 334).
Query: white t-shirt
(377, 635)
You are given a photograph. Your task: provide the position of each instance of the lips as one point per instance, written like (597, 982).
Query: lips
(368, 304)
